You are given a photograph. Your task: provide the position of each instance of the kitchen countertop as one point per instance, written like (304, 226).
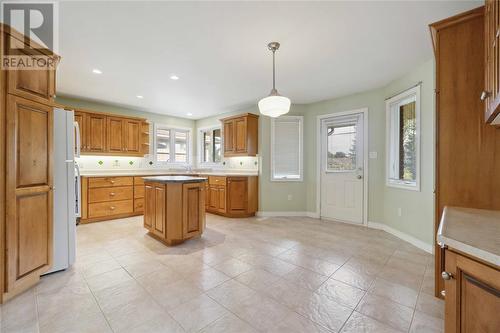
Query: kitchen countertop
(115, 173)
(472, 231)
(174, 179)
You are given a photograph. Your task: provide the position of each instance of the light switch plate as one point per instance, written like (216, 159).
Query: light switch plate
(373, 154)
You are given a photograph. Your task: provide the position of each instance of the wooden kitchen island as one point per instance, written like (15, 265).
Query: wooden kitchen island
(174, 207)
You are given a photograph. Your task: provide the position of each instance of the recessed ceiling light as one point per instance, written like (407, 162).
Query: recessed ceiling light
(174, 77)
(96, 71)
(189, 114)
(140, 96)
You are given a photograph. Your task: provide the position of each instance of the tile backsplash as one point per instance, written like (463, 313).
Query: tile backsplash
(130, 163)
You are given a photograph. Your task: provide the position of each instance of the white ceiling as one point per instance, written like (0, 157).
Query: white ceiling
(218, 49)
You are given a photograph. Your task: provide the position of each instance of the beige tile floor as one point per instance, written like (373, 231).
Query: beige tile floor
(243, 275)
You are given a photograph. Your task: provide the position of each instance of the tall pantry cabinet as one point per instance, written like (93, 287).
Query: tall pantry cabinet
(467, 147)
(26, 104)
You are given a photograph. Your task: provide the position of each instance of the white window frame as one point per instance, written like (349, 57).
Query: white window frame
(301, 150)
(172, 144)
(201, 146)
(392, 139)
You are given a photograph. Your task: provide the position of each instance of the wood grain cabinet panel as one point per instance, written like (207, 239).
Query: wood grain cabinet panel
(115, 135)
(35, 85)
(159, 220)
(139, 205)
(132, 136)
(193, 209)
(240, 135)
(28, 223)
(232, 196)
(138, 191)
(110, 181)
(110, 208)
(102, 194)
(472, 301)
(149, 207)
(237, 188)
(96, 133)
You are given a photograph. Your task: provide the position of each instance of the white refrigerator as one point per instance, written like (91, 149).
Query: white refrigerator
(66, 180)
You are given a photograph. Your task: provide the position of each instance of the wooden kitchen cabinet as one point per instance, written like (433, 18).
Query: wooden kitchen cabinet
(28, 223)
(472, 295)
(35, 85)
(241, 135)
(491, 93)
(174, 211)
(103, 134)
(233, 196)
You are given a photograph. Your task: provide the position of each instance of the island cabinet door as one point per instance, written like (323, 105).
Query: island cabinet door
(149, 209)
(472, 295)
(159, 220)
(193, 214)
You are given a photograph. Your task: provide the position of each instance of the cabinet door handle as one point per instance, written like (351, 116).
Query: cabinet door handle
(485, 95)
(112, 194)
(112, 181)
(112, 207)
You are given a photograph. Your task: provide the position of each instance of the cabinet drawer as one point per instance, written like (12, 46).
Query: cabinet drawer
(111, 208)
(217, 180)
(138, 191)
(138, 181)
(110, 181)
(102, 194)
(139, 205)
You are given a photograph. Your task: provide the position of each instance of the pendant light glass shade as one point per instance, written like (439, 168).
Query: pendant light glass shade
(274, 105)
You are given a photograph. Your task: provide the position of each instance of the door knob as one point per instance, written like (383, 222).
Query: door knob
(446, 276)
(485, 95)
(359, 177)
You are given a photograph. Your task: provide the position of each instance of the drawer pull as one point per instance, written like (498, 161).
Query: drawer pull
(112, 181)
(112, 207)
(112, 194)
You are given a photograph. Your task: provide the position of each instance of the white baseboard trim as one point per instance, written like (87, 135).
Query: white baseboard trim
(401, 235)
(283, 214)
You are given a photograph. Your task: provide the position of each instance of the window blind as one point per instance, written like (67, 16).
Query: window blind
(287, 148)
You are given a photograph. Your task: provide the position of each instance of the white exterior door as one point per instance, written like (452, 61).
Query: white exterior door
(342, 172)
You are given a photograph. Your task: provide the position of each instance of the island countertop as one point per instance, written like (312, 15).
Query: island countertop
(174, 179)
(475, 232)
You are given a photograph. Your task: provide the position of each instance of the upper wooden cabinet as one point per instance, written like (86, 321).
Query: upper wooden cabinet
(241, 135)
(491, 93)
(36, 85)
(102, 134)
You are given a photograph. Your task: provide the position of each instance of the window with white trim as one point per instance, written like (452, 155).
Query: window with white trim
(287, 148)
(171, 145)
(403, 140)
(210, 146)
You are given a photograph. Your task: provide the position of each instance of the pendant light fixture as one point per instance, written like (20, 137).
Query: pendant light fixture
(274, 105)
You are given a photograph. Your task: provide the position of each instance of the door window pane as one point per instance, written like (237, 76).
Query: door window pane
(341, 148)
(162, 145)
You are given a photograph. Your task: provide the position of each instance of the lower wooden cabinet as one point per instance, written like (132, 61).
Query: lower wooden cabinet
(233, 196)
(174, 211)
(472, 295)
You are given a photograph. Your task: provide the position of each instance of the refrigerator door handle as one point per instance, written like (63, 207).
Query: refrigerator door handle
(77, 139)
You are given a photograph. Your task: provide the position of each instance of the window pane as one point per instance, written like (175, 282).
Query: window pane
(181, 139)
(162, 145)
(207, 146)
(407, 138)
(217, 145)
(286, 148)
(341, 148)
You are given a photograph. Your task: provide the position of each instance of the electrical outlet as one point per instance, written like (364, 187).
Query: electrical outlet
(400, 213)
(290, 197)
(116, 163)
